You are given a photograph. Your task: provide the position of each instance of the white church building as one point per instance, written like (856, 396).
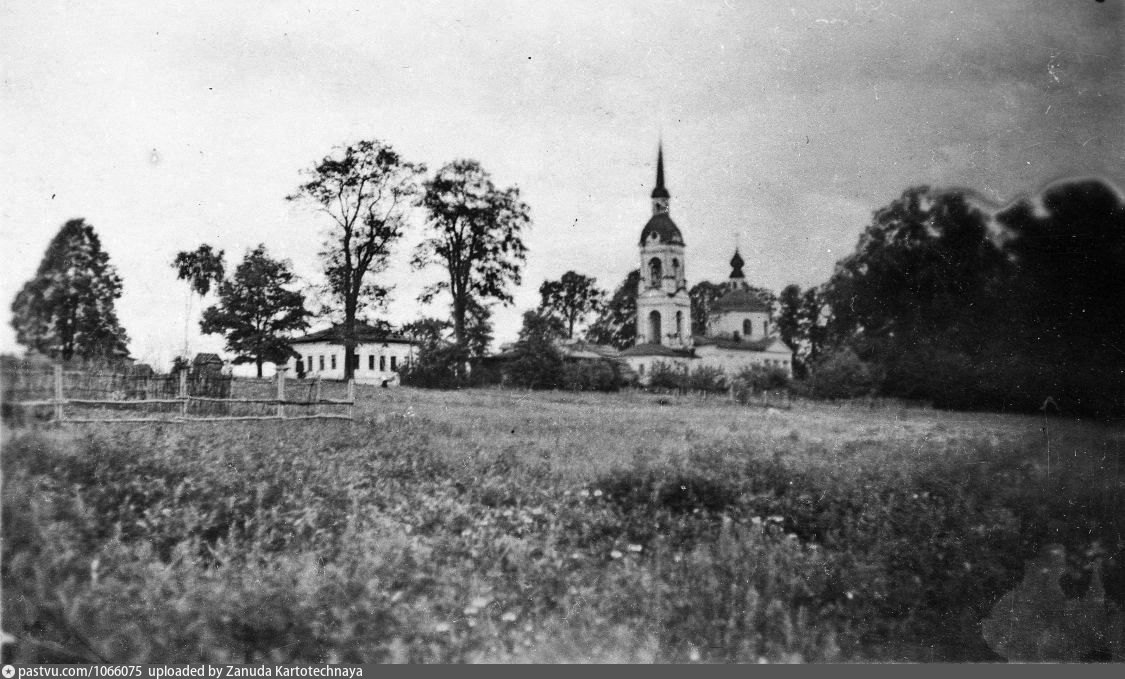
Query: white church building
(740, 331)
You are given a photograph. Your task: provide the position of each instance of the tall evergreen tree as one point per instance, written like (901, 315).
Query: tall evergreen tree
(68, 309)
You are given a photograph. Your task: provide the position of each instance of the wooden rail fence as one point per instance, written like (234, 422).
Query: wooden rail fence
(183, 399)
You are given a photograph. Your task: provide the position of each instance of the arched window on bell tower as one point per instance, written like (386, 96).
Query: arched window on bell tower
(676, 272)
(655, 272)
(679, 324)
(654, 327)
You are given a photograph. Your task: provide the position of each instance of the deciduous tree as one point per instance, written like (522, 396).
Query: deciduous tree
(703, 295)
(366, 189)
(257, 310)
(68, 309)
(617, 323)
(201, 268)
(572, 298)
(476, 235)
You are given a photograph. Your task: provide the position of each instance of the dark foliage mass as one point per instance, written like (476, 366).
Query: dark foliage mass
(946, 310)
(67, 311)
(616, 325)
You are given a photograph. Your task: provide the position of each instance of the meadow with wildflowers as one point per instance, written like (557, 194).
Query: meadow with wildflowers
(504, 526)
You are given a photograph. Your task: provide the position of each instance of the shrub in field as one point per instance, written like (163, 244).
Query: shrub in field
(756, 379)
(665, 376)
(841, 374)
(592, 376)
(706, 378)
(435, 368)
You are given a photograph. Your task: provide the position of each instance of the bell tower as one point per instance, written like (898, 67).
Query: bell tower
(663, 304)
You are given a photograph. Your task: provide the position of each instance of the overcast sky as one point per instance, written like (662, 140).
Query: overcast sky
(785, 125)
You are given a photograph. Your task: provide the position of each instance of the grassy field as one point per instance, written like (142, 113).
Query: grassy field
(491, 525)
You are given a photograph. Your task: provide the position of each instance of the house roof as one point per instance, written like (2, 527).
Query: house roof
(742, 345)
(202, 358)
(655, 350)
(364, 334)
(581, 349)
(740, 299)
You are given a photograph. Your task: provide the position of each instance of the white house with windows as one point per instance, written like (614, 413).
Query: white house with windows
(378, 356)
(739, 328)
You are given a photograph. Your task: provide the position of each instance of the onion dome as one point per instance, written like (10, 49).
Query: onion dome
(736, 266)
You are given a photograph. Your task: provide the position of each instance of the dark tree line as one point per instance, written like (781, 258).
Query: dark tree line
(947, 303)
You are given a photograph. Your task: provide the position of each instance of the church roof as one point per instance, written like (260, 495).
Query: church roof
(740, 345)
(655, 350)
(663, 226)
(740, 299)
(660, 191)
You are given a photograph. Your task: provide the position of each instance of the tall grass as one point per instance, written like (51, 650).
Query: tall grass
(494, 525)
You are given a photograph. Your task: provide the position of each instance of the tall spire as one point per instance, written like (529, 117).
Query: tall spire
(660, 194)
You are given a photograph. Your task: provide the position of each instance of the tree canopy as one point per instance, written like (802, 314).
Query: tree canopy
(68, 309)
(571, 298)
(257, 311)
(616, 325)
(201, 268)
(969, 310)
(475, 233)
(366, 189)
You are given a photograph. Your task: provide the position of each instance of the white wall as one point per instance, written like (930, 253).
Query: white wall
(369, 371)
(727, 323)
(732, 360)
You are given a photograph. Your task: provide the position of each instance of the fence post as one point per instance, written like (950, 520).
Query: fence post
(316, 396)
(58, 392)
(183, 395)
(351, 399)
(280, 392)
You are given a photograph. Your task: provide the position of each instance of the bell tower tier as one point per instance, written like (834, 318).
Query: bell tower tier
(663, 303)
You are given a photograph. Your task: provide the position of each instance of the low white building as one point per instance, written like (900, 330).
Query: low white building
(378, 356)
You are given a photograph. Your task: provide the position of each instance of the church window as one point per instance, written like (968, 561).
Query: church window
(747, 328)
(641, 369)
(676, 270)
(322, 361)
(655, 272)
(765, 328)
(382, 363)
(371, 361)
(333, 361)
(679, 323)
(394, 363)
(654, 327)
